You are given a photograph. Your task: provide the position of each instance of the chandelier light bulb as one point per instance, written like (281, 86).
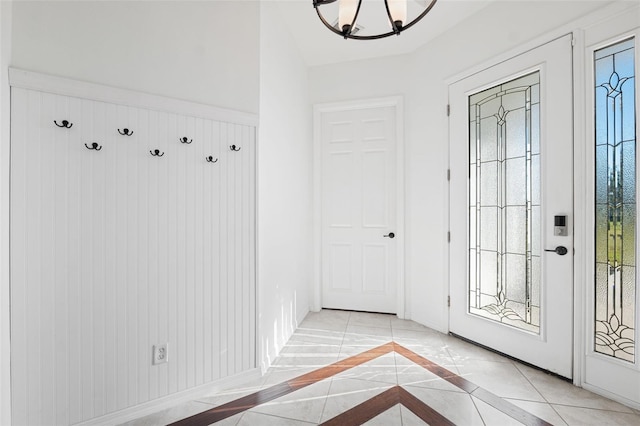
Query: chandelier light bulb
(346, 12)
(398, 11)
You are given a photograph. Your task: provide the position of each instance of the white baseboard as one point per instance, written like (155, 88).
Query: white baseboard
(169, 401)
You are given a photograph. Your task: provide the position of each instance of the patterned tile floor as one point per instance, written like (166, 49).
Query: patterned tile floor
(345, 368)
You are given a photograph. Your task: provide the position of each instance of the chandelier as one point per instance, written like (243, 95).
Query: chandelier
(383, 17)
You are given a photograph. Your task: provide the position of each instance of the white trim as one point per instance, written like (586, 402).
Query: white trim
(5, 148)
(175, 399)
(97, 92)
(580, 230)
(318, 109)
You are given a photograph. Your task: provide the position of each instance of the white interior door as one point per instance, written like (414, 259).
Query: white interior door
(358, 197)
(511, 175)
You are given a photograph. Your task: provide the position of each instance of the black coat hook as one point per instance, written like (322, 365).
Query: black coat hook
(234, 148)
(185, 140)
(156, 153)
(211, 160)
(125, 132)
(94, 146)
(64, 124)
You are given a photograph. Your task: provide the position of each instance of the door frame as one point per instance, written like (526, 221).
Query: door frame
(597, 36)
(395, 102)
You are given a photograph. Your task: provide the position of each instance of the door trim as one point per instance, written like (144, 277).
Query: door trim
(318, 109)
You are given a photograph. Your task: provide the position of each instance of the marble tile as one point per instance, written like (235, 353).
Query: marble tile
(317, 336)
(500, 378)
(367, 319)
(557, 391)
(223, 397)
(253, 419)
(456, 407)
(230, 421)
(310, 348)
(400, 324)
(580, 416)
(391, 417)
(492, 416)
(315, 360)
(463, 352)
(278, 374)
(368, 331)
(170, 415)
(540, 409)
(382, 369)
(305, 404)
(346, 393)
(410, 419)
(415, 375)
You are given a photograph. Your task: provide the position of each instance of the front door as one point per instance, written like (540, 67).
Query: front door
(359, 208)
(511, 205)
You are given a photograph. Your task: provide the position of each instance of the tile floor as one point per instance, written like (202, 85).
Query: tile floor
(499, 385)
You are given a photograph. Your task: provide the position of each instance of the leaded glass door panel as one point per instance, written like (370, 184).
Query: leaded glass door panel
(511, 175)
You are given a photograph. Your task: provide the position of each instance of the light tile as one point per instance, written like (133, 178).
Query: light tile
(382, 369)
(391, 417)
(462, 352)
(346, 393)
(456, 407)
(305, 360)
(557, 391)
(305, 404)
(367, 319)
(410, 419)
(170, 415)
(278, 374)
(252, 419)
(540, 409)
(368, 331)
(400, 324)
(230, 421)
(501, 378)
(580, 416)
(415, 375)
(492, 416)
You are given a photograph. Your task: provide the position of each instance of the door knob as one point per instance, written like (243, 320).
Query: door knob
(561, 250)
(390, 235)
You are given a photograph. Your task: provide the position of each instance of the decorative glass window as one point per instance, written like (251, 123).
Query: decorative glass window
(504, 203)
(615, 201)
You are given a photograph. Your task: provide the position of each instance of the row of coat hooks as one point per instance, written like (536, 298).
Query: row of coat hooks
(95, 146)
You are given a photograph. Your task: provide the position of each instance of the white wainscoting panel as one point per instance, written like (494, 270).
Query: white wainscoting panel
(116, 250)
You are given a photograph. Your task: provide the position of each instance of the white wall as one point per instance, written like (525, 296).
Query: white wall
(202, 51)
(5, 350)
(421, 79)
(285, 186)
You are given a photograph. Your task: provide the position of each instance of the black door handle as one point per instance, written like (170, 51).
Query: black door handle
(390, 235)
(561, 250)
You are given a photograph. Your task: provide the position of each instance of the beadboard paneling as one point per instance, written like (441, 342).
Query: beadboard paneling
(114, 251)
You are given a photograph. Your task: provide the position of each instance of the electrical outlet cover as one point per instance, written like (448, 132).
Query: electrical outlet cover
(160, 354)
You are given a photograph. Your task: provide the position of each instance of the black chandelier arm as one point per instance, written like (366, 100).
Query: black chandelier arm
(317, 3)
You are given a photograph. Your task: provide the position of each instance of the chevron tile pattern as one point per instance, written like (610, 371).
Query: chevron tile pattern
(350, 368)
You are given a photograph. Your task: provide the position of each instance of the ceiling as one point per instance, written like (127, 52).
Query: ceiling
(319, 46)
